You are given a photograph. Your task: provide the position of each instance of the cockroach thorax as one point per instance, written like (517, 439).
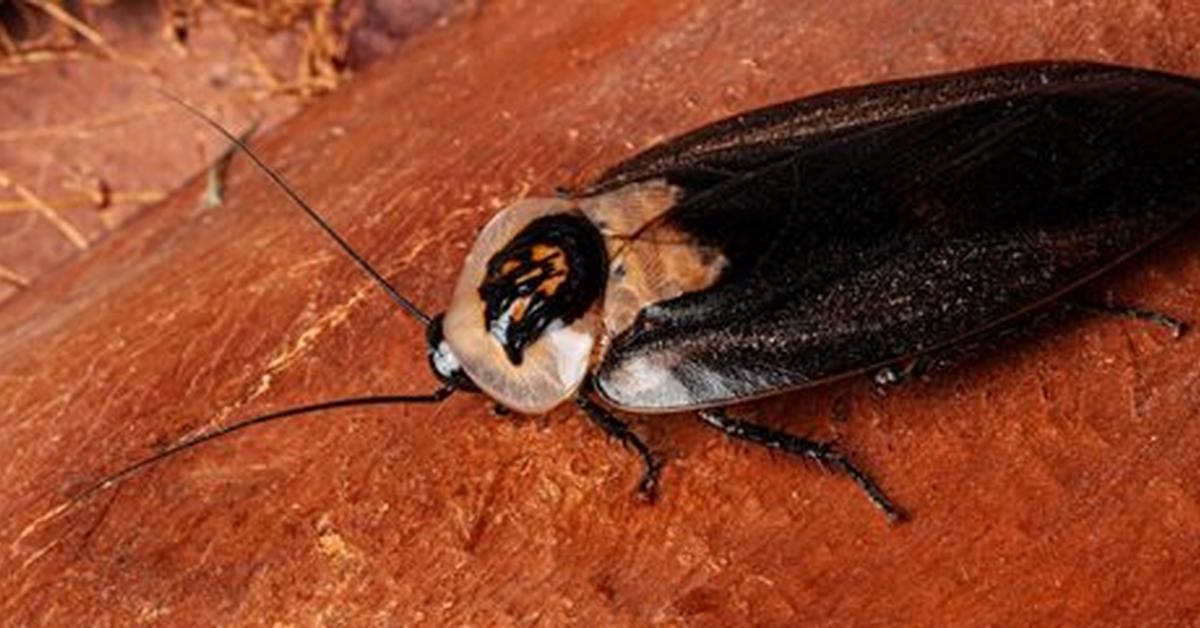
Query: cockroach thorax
(524, 316)
(549, 281)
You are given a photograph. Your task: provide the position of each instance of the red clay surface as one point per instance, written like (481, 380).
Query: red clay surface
(1052, 482)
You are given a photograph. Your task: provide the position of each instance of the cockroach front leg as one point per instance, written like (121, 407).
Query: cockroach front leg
(618, 429)
(823, 453)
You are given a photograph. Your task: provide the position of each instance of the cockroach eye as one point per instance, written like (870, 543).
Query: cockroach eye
(442, 361)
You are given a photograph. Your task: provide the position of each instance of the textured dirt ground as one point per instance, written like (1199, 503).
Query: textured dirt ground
(1052, 482)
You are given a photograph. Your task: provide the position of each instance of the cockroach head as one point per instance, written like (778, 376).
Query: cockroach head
(524, 316)
(442, 361)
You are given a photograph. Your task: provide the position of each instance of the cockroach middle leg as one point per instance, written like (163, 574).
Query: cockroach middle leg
(618, 429)
(823, 453)
(1176, 326)
(899, 374)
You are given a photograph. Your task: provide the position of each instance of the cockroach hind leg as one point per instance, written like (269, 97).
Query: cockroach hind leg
(618, 429)
(1177, 326)
(824, 454)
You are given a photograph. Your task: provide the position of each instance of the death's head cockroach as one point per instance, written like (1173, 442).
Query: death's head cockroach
(793, 245)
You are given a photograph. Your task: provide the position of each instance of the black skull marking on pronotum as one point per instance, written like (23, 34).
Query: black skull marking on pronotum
(815, 239)
(550, 274)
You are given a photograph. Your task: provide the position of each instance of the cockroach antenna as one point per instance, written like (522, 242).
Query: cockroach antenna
(378, 400)
(405, 304)
(438, 395)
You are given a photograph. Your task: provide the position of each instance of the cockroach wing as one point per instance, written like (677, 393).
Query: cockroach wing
(746, 142)
(855, 247)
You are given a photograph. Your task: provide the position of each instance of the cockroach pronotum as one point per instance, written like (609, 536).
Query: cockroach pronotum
(807, 241)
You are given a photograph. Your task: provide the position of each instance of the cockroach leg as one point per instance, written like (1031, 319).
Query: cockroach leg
(823, 453)
(1176, 326)
(616, 428)
(901, 373)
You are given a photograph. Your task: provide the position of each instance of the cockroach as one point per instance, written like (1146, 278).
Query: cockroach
(800, 243)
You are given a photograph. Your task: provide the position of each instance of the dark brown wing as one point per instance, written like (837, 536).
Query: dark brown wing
(748, 141)
(879, 241)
